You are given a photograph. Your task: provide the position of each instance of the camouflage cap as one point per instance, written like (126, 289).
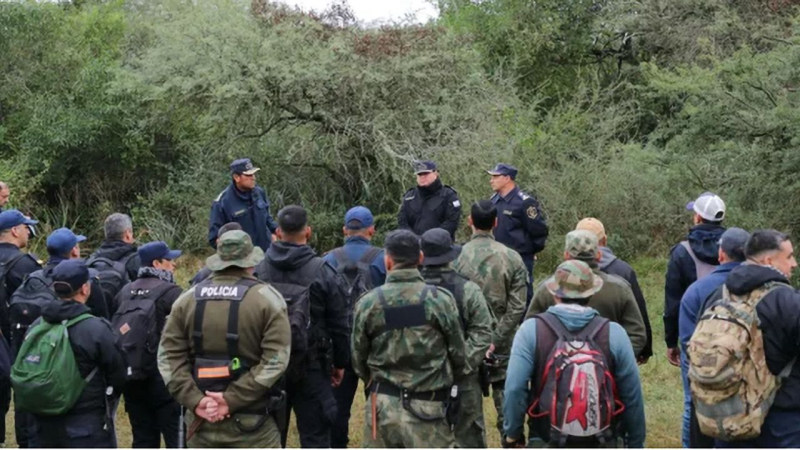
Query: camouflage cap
(573, 279)
(235, 248)
(582, 245)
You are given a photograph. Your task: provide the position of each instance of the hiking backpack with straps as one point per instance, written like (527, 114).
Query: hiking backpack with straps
(45, 374)
(27, 304)
(575, 396)
(5, 296)
(111, 276)
(135, 323)
(357, 273)
(214, 372)
(295, 287)
(454, 283)
(732, 387)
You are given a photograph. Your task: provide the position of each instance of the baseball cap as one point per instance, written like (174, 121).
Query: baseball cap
(421, 167)
(593, 226)
(235, 249)
(243, 166)
(709, 206)
(581, 245)
(62, 241)
(156, 250)
(12, 217)
(573, 279)
(358, 218)
(733, 241)
(504, 169)
(437, 247)
(68, 276)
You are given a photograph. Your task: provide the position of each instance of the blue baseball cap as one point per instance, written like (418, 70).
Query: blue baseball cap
(156, 250)
(505, 170)
(421, 167)
(12, 217)
(243, 166)
(62, 241)
(358, 218)
(69, 275)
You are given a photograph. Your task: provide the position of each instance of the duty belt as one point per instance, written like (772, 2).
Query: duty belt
(395, 391)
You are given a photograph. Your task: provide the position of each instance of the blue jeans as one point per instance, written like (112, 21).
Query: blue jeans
(687, 400)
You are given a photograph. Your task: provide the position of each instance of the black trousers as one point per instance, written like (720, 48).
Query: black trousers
(344, 395)
(5, 404)
(152, 412)
(314, 406)
(91, 430)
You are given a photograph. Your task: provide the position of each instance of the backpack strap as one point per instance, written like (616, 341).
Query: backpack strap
(6, 267)
(589, 332)
(555, 325)
(405, 316)
(232, 332)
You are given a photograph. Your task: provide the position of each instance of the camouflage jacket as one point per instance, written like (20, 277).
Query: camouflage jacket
(476, 317)
(502, 276)
(419, 358)
(614, 301)
(264, 340)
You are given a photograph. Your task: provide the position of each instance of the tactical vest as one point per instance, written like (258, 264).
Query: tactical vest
(454, 283)
(214, 372)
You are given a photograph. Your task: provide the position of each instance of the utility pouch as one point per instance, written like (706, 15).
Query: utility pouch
(212, 374)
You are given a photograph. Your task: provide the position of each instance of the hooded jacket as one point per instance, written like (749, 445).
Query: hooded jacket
(779, 314)
(329, 308)
(521, 370)
(682, 272)
(610, 264)
(94, 344)
(118, 250)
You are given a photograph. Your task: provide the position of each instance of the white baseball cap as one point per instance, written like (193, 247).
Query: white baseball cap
(709, 206)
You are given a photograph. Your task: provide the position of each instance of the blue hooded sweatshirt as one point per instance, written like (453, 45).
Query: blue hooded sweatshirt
(521, 370)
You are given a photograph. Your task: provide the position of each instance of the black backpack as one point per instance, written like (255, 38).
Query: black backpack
(454, 283)
(135, 325)
(357, 274)
(27, 304)
(5, 296)
(298, 305)
(111, 276)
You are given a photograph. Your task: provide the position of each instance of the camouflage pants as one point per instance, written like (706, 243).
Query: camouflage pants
(471, 430)
(398, 428)
(498, 395)
(230, 434)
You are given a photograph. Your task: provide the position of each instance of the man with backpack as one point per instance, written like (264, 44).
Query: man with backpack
(318, 312)
(742, 355)
(143, 307)
(689, 261)
(65, 365)
(502, 276)
(225, 348)
(361, 266)
(731, 255)
(476, 322)
(15, 265)
(584, 381)
(116, 261)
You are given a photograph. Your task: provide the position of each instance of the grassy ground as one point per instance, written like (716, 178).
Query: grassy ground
(662, 386)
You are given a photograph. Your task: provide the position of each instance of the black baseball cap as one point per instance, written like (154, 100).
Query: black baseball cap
(421, 167)
(504, 169)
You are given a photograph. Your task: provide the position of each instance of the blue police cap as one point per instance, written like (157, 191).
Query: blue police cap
(156, 250)
(69, 275)
(358, 218)
(12, 217)
(243, 166)
(421, 167)
(61, 241)
(505, 170)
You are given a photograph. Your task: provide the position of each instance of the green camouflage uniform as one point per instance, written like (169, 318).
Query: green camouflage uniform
(264, 342)
(420, 359)
(615, 301)
(478, 319)
(502, 276)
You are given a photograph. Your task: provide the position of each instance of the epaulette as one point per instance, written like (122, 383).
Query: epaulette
(451, 188)
(221, 194)
(523, 195)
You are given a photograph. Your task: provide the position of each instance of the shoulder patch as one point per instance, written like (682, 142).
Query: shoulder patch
(532, 212)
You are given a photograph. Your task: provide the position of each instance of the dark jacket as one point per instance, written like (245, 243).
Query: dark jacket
(609, 263)
(681, 273)
(521, 224)
(96, 303)
(434, 206)
(354, 249)
(116, 251)
(779, 313)
(94, 344)
(329, 308)
(251, 210)
(201, 275)
(148, 280)
(24, 266)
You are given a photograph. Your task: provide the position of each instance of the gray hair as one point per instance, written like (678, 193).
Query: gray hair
(116, 225)
(3, 186)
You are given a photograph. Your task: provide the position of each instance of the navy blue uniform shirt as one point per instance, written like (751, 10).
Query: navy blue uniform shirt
(521, 225)
(248, 209)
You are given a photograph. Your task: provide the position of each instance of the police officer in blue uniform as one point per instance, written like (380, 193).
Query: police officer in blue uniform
(430, 204)
(521, 225)
(245, 203)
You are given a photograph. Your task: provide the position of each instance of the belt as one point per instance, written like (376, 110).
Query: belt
(396, 391)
